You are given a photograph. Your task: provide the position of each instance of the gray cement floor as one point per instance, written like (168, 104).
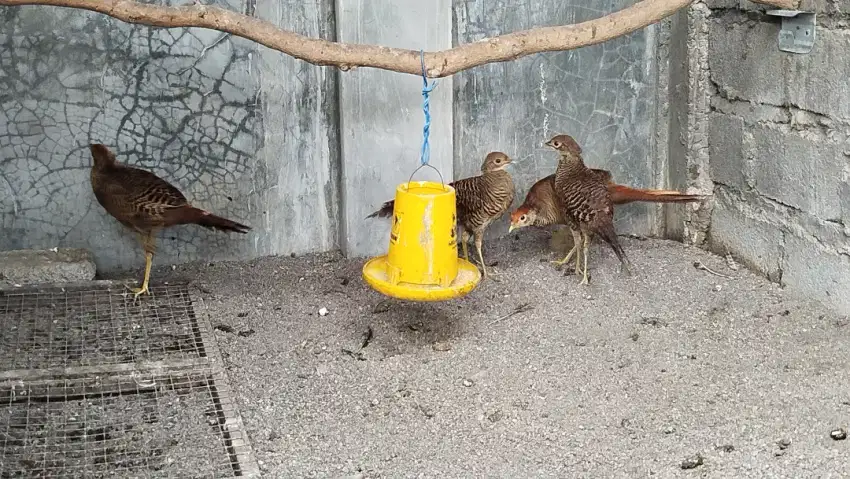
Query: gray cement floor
(627, 378)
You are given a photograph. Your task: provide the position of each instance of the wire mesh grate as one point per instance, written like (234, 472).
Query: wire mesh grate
(99, 398)
(84, 327)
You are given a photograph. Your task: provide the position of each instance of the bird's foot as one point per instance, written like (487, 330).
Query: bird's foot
(492, 275)
(585, 277)
(139, 291)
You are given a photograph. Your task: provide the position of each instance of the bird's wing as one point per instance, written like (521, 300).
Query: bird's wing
(468, 196)
(604, 175)
(139, 196)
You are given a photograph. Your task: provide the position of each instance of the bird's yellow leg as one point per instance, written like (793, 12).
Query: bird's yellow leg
(578, 237)
(479, 243)
(149, 245)
(567, 257)
(464, 238)
(586, 247)
(575, 250)
(144, 288)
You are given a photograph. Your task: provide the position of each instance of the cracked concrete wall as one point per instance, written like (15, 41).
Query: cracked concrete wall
(299, 152)
(779, 147)
(243, 131)
(606, 96)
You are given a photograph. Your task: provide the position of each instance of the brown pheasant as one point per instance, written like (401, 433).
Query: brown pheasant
(585, 200)
(542, 207)
(145, 203)
(480, 200)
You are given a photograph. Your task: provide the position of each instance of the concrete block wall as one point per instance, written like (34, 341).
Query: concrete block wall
(778, 146)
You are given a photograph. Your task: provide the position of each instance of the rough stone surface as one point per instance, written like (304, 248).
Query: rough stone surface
(779, 149)
(688, 130)
(816, 271)
(746, 64)
(817, 81)
(744, 60)
(726, 150)
(798, 172)
(625, 378)
(751, 239)
(64, 265)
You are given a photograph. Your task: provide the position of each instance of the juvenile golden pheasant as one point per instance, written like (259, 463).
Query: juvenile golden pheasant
(542, 207)
(480, 200)
(145, 203)
(586, 201)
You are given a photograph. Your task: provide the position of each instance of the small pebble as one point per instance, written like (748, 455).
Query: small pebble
(783, 443)
(441, 346)
(323, 312)
(428, 412)
(692, 462)
(669, 430)
(838, 434)
(467, 383)
(717, 287)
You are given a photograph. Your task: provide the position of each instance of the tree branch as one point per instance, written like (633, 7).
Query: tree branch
(346, 56)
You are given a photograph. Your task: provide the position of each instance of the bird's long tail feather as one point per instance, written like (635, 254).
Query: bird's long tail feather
(197, 216)
(385, 212)
(607, 232)
(621, 194)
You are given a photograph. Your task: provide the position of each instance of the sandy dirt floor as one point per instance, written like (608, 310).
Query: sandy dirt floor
(674, 372)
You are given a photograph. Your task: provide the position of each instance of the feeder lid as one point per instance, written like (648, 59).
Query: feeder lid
(375, 273)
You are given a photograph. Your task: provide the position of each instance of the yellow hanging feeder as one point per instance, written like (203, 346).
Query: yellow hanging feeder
(422, 262)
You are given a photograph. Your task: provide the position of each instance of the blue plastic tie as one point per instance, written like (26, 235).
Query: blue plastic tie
(426, 89)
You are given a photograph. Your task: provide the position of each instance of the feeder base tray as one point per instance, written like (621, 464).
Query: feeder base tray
(375, 273)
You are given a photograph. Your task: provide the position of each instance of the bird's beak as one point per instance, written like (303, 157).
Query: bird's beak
(511, 228)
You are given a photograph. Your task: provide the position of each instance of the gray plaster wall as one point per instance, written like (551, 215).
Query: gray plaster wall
(299, 152)
(245, 132)
(381, 115)
(604, 95)
(779, 148)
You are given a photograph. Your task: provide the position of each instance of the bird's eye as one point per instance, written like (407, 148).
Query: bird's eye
(556, 144)
(498, 160)
(522, 218)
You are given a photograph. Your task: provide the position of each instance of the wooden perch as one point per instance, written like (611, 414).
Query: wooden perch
(346, 56)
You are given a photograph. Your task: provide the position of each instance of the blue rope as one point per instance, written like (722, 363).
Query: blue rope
(426, 89)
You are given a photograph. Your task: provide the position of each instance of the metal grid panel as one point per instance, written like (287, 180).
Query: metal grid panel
(164, 415)
(84, 327)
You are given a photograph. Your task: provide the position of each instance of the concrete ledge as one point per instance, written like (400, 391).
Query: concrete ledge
(46, 266)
